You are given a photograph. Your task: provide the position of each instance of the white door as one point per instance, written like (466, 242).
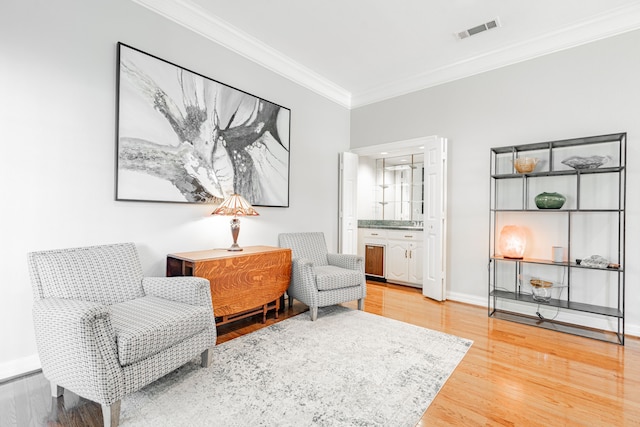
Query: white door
(435, 225)
(348, 204)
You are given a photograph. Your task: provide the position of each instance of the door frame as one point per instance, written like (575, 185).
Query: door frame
(412, 146)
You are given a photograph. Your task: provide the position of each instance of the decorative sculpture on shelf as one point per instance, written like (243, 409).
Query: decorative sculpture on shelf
(513, 241)
(550, 200)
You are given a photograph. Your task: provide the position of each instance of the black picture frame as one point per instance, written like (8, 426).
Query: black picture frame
(184, 137)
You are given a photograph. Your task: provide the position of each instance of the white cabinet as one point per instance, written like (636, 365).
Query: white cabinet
(405, 257)
(398, 261)
(416, 262)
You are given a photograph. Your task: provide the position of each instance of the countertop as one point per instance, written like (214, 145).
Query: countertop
(391, 225)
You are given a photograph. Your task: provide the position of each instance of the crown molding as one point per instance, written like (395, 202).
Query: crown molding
(615, 22)
(193, 17)
(200, 21)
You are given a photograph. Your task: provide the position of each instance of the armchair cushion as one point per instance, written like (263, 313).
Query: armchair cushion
(145, 326)
(187, 289)
(330, 277)
(105, 274)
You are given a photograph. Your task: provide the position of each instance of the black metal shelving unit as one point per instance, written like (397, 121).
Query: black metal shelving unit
(507, 295)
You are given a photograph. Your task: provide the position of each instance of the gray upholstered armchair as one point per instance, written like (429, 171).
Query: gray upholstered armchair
(103, 330)
(319, 278)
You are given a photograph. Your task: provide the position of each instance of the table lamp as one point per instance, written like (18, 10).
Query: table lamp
(235, 205)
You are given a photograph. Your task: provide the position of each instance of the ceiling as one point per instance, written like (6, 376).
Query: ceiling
(357, 52)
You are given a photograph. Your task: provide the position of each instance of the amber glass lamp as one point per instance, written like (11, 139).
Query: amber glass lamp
(235, 205)
(513, 241)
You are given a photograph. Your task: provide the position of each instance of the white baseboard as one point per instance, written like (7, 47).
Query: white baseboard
(20, 366)
(468, 299)
(630, 329)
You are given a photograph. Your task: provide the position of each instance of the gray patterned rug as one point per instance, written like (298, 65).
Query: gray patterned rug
(348, 368)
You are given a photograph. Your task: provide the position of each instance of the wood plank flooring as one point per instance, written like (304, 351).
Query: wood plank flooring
(513, 375)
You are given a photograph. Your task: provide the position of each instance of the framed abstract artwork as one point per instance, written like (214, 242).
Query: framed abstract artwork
(183, 137)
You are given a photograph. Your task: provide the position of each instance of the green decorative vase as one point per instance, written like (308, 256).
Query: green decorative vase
(550, 200)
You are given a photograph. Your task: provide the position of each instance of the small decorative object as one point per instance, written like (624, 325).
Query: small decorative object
(235, 205)
(550, 200)
(557, 254)
(513, 241)
(541, 289)
(595, 261)
(610, 265)
(525, 164)
(592, 162)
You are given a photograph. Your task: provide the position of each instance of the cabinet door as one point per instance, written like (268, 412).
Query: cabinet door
(397, 260)
(374, 260)
(416, 258)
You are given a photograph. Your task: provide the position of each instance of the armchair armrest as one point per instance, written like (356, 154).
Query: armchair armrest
(77, 347)
(303, 282)
(351, 262)
(185, 289)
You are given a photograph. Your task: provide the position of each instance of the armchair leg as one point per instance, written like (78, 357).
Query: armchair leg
(314, 313)
(361, 304)
(206, 358)
(56, 390)
(290, 301)
(111, 414)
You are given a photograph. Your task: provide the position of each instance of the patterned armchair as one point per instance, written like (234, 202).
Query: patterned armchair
(318, 278)
(103, 330)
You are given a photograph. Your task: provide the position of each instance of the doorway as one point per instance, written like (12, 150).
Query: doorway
(433, 151)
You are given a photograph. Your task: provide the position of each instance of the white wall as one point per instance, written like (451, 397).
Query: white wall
(57, 116)
(588, 90)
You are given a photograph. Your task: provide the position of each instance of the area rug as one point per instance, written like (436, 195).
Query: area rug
(348, 368)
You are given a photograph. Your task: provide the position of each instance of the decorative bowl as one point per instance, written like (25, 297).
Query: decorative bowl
(550, 200)
(541, 290)
(578, 162)
(525, 164)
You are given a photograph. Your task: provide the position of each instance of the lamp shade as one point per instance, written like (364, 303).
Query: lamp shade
(513, 241)
(235, 205)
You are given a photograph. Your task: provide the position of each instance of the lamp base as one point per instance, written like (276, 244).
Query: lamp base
(235, 248)
(235, 230)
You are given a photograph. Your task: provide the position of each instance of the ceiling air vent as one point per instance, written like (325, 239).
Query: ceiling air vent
(478, 29)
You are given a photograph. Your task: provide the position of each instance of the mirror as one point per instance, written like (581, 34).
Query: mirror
(399, 188)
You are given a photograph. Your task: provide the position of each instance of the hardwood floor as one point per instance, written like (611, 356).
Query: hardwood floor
(513, 375)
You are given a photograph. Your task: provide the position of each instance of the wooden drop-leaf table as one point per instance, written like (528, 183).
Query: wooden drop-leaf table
(243, 283)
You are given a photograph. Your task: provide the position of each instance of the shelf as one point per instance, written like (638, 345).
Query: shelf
(558, 264)
(570, 305)
(566, 172)
(529, 260)
(602, 190)
(573, 142)
(560, 210)
(567, 328)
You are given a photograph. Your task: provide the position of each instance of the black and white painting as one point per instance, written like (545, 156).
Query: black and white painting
(183, 137)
